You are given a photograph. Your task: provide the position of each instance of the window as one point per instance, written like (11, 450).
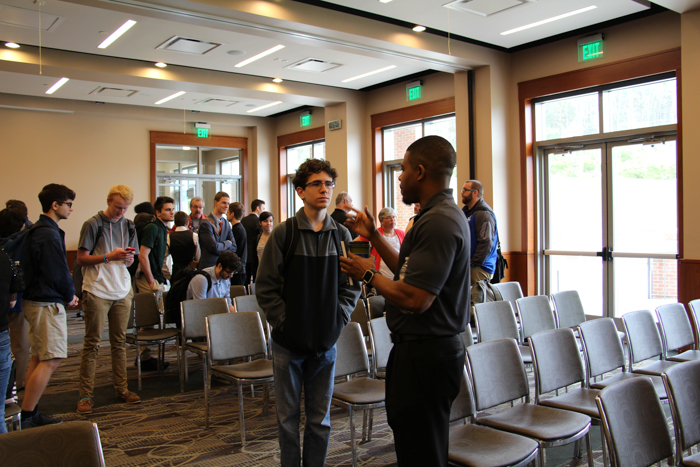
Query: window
(296, 155)
(396, 139)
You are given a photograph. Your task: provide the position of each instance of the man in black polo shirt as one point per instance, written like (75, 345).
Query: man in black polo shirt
(427, 303)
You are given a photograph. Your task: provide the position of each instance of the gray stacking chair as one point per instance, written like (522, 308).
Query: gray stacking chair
(231, 336)
(359, 393)
(683, 387)
(238, 291)
(510, 291)
(467, 336)
(375, 306)
(194, 326)
(634, 424)
(536, 315)
(475, 445)
(250, 303)
(381, 345)
(644, 342)
(568, 309)
(496, 320)
(676, 332)
(694, 306)
(604, 354)
(359, 316)
(251, 288)
(498, 376)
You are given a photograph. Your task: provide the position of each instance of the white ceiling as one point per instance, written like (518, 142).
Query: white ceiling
(246, 28)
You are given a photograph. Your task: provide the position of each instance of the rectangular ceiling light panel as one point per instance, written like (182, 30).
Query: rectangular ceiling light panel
(214, 102)
(28, 18)
(313, 65)
(188, 46)
(484, 7)
(113, 92)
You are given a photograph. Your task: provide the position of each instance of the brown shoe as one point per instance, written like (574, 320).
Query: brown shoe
(129, 397)
(85, 405)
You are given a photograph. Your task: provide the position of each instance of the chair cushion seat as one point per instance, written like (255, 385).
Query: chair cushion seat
(658, 382)
(691, 461)
(687, 356)
(360, 391)
(257, 369)
(478, 445)
(197, 346)
(154, 335)
(579, 400)
(535, 421)
(655, 368)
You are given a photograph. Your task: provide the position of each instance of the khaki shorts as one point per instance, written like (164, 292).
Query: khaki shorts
(48, 329)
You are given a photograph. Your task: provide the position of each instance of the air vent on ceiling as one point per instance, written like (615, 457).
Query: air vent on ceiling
(28, 18)
(104, 91)
(313, 65)
(214, 102)
(485, 7)
(188, 46)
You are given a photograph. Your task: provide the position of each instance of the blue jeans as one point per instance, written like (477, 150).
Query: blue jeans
(5, 368)
(315, 374)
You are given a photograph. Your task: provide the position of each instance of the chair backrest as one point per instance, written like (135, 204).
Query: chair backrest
(251, 288)
(642, 335)
(568, 309)
(602, 345)
(536, 315)
(510, 291)
(375, 306)
(495, 320)
(351, 351)
(676, 330)
(381, 342)
(69, 443)
(238, 291)
(467, 336)
(694, 306)
(194, 313)
(683, 388)
(145, 309)
(497, 373)
(248, 303)
(634, 423)
(463, 405)
(359, 316)
(235, 335)
(557, 360)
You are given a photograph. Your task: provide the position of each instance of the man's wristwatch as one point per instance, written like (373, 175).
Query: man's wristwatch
(369, 275)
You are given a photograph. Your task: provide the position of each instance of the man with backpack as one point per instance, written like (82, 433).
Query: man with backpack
(48, 289)
(105, 250)
(307, 302)
(214, 282)
(484, 234)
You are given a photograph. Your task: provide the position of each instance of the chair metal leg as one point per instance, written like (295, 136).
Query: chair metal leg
(364, 426)
(181, 355)
(138, 364)
(543, 459)
(179, 363)
(369, 428)
(266, 399)
(207, 388)
(352, 437)
(602, 439)
(589, 449)
(242, 414)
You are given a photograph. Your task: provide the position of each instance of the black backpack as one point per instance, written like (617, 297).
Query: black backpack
(17, 247)
(178, 293)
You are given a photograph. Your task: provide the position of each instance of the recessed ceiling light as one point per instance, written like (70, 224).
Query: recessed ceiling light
(58, 84)
(549, 20)
(116, 34)
(177, 94)
(419, 28)
(12, 45)
(384, 1)
(161, 65)
(259, 56)
(277, 80)
(264, 106)
(186, 148)
(368, 73)
(236, 52)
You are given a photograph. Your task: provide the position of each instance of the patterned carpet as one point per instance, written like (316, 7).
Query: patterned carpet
(167, 427)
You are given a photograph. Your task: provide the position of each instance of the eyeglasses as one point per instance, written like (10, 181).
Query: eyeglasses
(465, 190)
(317, 185)
(67, 203)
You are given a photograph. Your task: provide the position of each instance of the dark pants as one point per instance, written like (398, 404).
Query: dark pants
(238, 279)
(250, 271)
(423, 379)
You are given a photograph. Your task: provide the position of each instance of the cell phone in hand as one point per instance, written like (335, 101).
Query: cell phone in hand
(130, 249)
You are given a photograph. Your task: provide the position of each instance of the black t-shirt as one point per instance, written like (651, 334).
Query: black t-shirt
(434, 256)
(8, 286)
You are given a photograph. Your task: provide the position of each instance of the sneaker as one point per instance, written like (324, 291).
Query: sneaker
(129, 397)
(152, 364)
(85, 405)
(40, 420)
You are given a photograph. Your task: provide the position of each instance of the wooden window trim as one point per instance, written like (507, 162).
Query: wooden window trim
(305, 136)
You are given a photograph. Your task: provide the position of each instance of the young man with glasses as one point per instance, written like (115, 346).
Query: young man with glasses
(307, 314)
(49, 289)
(483, 231)
(226, 266)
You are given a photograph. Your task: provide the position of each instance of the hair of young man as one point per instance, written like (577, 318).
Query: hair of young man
(229, 261)
(434, 153)
(181, 218)
(342, 196)
(160, 201)
(255, 204)
(312, 166)
(236, 209)
(195, 199)
(386, 212)
(124, 191)
(221, 194)
(146, 207)
(476, 185)
(53, 192)
(265, 215)
(11, 221)
(18, 205)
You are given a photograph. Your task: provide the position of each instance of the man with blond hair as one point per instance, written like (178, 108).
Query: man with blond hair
(105, 250)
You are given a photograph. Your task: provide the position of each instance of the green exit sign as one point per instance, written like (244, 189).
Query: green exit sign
(202, 132)
(413, 90)
(305, 120)
(590, 48)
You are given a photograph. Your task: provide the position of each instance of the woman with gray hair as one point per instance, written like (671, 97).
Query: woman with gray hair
(387, 221)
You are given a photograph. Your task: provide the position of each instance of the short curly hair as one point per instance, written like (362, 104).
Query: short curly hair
(312, 166)
(229, 261)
